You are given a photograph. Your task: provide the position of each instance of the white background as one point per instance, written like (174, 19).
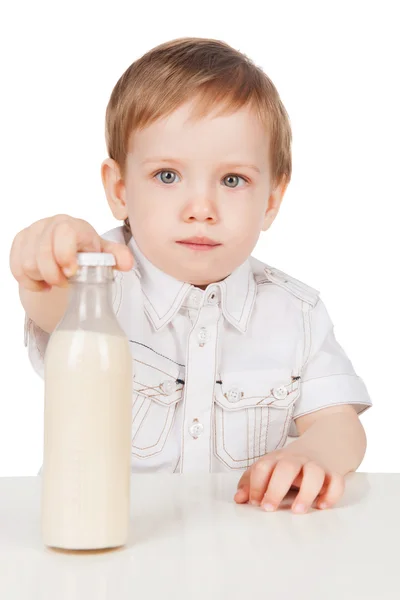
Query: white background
(335, 65)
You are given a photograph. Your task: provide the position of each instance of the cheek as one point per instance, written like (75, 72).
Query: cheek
(150, 221)
(243, 222)
(147, 211)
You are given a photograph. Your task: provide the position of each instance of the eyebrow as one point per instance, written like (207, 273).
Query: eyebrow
(232, 165)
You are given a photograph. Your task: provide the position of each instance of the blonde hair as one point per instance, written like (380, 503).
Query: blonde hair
(208, 70)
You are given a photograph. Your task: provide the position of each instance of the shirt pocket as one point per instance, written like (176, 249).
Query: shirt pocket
(252, 414)
(157, 390)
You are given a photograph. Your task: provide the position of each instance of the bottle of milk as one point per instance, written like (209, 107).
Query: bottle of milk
(87, 417)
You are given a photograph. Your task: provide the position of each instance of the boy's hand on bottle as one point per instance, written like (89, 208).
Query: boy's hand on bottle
(45, 254)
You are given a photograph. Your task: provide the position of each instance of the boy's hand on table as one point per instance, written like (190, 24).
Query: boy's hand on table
(271, 477)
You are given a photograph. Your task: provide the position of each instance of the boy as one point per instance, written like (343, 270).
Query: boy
(232, 356)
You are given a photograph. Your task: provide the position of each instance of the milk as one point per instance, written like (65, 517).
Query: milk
(87, 440)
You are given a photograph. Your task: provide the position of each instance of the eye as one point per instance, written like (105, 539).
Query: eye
(167, 179)
(233, 179)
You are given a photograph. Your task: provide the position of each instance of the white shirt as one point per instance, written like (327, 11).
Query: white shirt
(220, 374)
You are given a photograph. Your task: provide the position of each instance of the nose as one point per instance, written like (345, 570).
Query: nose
(201, 207)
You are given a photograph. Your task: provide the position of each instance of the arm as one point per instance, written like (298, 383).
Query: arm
(334, 436)
(44, 255)
(332, 443)
(46, 309)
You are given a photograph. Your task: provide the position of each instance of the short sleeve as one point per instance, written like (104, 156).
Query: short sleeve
(328, 378)
(36, 341)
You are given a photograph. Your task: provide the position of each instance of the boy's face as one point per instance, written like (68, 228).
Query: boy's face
(179, 185)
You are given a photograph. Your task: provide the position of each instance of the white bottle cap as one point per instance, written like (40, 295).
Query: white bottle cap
(96, 259)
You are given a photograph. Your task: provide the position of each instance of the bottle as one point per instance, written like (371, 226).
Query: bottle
(85, 501)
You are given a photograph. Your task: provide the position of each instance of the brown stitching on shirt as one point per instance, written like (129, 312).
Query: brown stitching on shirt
(249, 457)
(273, 401)
(234, 467)
(244, 303)
(166, 437)
(147, 387)
(222, 415)
(210, 442)
(247, 295)
(139, 409)
(162, 431)
(284, 429)
(251, 307)
(142, 421)
(336, 404)
(332, 375)
(185, 391)
(216, 367)
(153, 367)
(267, 431)
(229, 466)
(221, 459)
(135, 419)
(298, 293)
(170, 307)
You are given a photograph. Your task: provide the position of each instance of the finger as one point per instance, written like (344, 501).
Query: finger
(260, 476)
(280, 482)
(123, 256)
(15, 255)
(50, 271)
(68, 239)
(16, 263)
(33, 286)
(311, 485)
(27, 272)
(27, 252)
(23, 262)
(242, 494)
(335, 487)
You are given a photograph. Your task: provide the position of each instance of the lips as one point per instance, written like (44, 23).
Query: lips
(200, 241)
(199, 244)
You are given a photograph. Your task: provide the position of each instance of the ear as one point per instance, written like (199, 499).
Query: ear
(274, 203)
(114, 188)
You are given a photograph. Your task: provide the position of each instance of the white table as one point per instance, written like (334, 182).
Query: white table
(189, 540)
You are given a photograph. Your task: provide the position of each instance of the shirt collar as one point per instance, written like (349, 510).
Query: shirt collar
(163, 295)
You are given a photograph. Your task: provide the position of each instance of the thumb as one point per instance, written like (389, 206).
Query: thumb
(243, 488)
(123, 256)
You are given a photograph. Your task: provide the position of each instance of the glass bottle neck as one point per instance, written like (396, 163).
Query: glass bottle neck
(94, 300)
(90, 304)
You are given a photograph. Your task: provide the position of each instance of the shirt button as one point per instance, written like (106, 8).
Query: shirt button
(234, 394)
(196, 429)
(280, 392)
(194, 299)
(203, 336)
(168, 386)
(213, 296)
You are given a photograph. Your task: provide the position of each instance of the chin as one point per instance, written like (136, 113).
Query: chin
(205, 281)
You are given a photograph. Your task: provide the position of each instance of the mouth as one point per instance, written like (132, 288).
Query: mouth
(199, 243)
